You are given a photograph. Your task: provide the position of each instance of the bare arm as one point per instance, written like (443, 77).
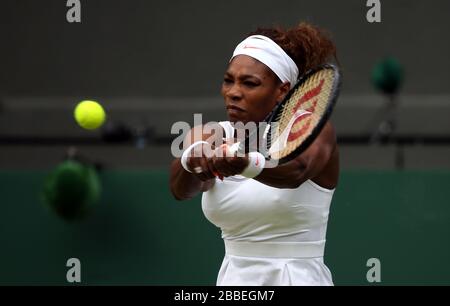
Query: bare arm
(318, 162)
(185, 185)
(308, 165)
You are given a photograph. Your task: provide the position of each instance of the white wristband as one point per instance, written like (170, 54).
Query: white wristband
(256, 163)
(186, 154)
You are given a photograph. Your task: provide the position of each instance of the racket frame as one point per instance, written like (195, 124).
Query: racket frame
(242, 146)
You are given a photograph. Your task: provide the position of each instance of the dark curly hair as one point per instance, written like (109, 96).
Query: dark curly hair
(307, 45)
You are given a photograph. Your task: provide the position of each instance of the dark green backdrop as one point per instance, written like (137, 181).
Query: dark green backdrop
(139, 235)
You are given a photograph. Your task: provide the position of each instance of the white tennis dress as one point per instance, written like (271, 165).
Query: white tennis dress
(272, 236)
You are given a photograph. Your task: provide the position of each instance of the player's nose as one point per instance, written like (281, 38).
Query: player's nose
(234, 93)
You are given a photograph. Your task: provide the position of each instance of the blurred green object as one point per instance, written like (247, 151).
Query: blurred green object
(72, 189)
(387, 75)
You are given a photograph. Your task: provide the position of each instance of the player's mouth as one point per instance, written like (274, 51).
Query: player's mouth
(234, 109)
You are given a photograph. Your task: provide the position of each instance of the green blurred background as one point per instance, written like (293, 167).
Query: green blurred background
(140, 235)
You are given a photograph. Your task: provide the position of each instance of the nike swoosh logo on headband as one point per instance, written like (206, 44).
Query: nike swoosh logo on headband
(250, 47)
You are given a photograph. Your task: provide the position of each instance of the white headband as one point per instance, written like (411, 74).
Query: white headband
(270, 54)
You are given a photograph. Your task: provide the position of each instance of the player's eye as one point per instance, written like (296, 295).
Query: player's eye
(250, 84)
(227, 80)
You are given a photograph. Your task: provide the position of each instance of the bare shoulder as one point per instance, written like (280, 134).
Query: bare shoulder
(328, 135)
(325, 142)
(324, 156)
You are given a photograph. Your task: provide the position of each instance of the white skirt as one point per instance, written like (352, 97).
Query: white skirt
(270, 268)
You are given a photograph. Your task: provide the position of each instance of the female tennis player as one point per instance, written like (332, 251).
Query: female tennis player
(273, 220)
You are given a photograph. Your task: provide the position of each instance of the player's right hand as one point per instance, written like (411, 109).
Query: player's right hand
(199, 165)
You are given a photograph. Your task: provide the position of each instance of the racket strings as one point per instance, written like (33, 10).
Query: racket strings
(302, 112)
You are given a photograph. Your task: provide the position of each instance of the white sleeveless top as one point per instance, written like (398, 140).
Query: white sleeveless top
(272, 236)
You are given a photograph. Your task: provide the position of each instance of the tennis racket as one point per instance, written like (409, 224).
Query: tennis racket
(294, 123)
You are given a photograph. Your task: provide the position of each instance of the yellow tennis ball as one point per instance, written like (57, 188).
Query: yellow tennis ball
(89, 114)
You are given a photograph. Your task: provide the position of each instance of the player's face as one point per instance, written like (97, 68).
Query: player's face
(250, 90)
